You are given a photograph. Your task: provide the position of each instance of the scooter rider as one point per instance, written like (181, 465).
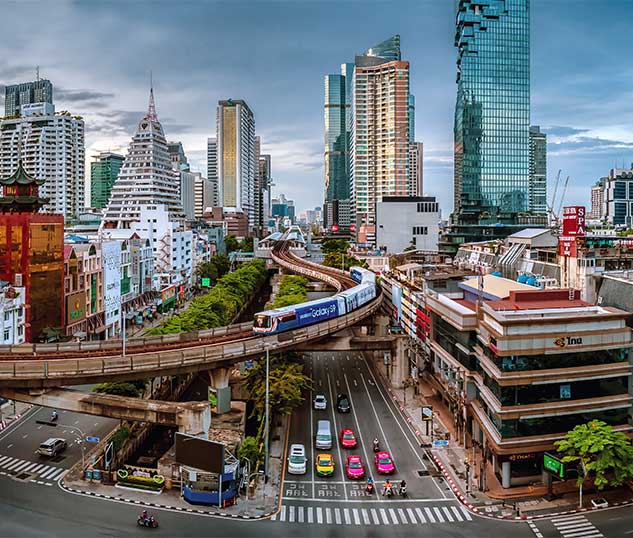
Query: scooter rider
(387, 488)
(370, 484)
(54, 415)
(376, 444)
(403, 488)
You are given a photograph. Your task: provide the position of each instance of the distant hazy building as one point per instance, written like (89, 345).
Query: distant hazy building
(538, 170)
(26, 93)
(263, 185)
(236, 157)
(282, 207)
(416, 178)
(597, 200)
(53, 149)
(212, 171)
(103, 173)
(618, 197)
(177, 156)
(407, 221)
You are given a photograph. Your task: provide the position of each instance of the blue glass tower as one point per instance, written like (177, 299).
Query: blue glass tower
(492, 114)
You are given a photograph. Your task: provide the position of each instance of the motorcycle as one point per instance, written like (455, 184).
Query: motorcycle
(389, 492)
(403, 491)
(376, 446)
(147, 522)
(54, 416)
(370, 487)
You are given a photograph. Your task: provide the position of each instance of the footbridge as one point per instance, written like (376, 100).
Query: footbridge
(39, 366)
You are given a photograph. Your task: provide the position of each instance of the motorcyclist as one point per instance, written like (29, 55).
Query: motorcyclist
(144, 515)
(376, 444)
(370, 484)
(387, 488)
(54, 415)
(403, 487)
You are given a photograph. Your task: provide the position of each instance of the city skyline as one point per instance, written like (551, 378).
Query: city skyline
(585, 117)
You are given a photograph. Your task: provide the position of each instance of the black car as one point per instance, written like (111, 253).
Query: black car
(342, 404)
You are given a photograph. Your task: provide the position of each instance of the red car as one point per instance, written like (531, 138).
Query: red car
(384, 463)
(348, 439)
(354, 467)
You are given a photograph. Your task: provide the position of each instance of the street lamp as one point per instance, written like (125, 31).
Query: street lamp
(267, 424)
(467, 463)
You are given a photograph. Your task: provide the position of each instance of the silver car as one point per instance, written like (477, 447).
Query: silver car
(52, 447)
(297, 460)
(320, 402)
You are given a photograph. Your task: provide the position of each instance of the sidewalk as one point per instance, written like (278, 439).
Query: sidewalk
(12, 411)
(264, 503)
(527, 501)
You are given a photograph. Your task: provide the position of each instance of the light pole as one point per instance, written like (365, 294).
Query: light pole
(123, 331)
(267, 423)
(467, 463)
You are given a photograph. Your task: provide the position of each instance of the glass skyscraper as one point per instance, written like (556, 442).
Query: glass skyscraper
(492, 114)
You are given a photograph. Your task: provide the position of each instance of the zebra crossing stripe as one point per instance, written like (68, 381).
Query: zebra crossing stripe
(383, 515)
(420, 515)
(300, 515)
(8, 462)
(567, 518)
(22, 466)
(458, 516)
(571, 526)
(593, 532)
(3, 459)
(291, 509)
(466, 513)
(310, 518)
(365, 516)
(438, 514)
(393, 517)
(448, 514)
(356, 517)
(58, 474)
(283, 513)
(319, 513)
(374, 516)
(402, 516)
(15, 464)
(346, 515)
(328, 516)
(411, 514)
(337, 516)
(429, 514)
(49, 473)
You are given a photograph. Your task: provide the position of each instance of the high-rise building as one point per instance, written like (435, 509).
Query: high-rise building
(26, 93)
(411, 118)
(52, 149)
(186, 178)
(597, 200)
(538, 171)
(202, 195)
(416, 178)
(212, 171)
(618, 197)
(263, 182)
(380, 133)
(103, 173)
(177, 156)
(145, 200)
(492, 122)
(236, 157)
(31, 253)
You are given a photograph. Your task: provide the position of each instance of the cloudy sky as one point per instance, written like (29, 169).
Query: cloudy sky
(99, 54)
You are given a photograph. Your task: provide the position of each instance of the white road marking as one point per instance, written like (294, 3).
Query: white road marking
(466, 513)
(429, 514)
(374, 516)
(319, 513)
(383, 515)
(438, 514)
(328, 516)
(394, 518)
(402, 516)
(310, 516)
(337, 516)
(420, 515)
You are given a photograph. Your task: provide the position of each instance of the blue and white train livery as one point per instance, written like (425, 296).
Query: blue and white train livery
(303, 314)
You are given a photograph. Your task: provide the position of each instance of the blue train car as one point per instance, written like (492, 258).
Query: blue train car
(361, 275)
(300, 315)
(358, 296)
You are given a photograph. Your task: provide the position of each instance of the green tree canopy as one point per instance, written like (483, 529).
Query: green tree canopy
(606, 454)
(231, 243)
(292, 290)
(118, 389)
(334, 245)
(340, 260)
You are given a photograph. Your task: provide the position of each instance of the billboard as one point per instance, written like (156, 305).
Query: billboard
(567, 247)
(318, 312)
(199, 453)
(75, 308)
(111, 261)
(574, 221)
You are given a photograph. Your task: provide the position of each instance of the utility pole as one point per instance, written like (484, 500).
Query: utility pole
(267, 424)
(123, 331)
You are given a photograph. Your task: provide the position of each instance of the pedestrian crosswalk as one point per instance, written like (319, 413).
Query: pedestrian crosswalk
(16, 466)
(576, 526)
(371, 516)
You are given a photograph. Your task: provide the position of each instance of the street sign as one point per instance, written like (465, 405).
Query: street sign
(206, 282)
(427, 412)
(91, 439)
(108, 455)
(440, 443)
(553, 465)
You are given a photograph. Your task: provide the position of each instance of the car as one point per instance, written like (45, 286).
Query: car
(325, 465)
(348, 439)
(354, 468)
(320, 402)
(52, 447)
(297, 460)
(384, 463)
(599, 503)
(342, 404)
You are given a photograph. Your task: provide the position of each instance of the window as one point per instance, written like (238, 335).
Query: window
(420, 230)
(6, 334)
(6, 316)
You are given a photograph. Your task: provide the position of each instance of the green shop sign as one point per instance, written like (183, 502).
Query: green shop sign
(206, 282)
(553, 465)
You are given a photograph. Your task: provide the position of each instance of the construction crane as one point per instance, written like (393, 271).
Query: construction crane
(562, 198)
(555, 215)
(550, 206)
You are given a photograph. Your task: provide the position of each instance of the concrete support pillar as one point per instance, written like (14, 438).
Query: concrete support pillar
(381, 325)
(399, 363)
(195, 419)
(506, 468)
(219, 380)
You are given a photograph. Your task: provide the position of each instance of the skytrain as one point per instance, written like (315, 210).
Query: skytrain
(299, 315)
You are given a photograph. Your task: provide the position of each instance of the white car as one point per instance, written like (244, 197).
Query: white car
(599, 503)
(297, 461)
(320, 402)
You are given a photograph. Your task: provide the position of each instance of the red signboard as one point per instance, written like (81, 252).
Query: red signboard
(567, 247)
(574, 221)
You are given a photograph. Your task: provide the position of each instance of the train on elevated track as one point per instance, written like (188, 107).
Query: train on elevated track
(300, 315)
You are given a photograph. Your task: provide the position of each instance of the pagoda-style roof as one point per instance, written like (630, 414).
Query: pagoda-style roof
(21, 177)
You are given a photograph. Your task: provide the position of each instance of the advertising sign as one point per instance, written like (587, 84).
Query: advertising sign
(567, 247)
(199, 453)
(427, 412)
(75, 308)
(111, 260)
(168, 293)
(553, 465)
(317, 312)
(206, 282)
(574, 221)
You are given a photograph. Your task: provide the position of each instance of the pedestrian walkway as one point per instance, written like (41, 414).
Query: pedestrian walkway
(576, 526)
(37, 472)
(297, 513)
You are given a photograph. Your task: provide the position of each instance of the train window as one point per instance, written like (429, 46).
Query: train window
(290, 316)
(262, 321)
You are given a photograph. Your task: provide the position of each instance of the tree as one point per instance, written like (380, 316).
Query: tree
(231, 243)
(334, 245)
(340, 260)
(247, 244)
(249, 450)
(604, 453)
(222, 264)
(207, 270)
(118, 389)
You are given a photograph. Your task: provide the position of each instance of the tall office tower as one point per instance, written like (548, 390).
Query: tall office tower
(26, 93)
(212, 171)
(186, 178)
(103, 173)
(177, 156)
(338, 121)
(538, 171)
(52, 149)
(145, 199)
(202, 195)
(416, 156)
(492, 113)
(380, 133)
(262, 189)
(236, 157)
(597, 200)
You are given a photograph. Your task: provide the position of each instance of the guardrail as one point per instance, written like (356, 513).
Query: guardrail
(317, 275)
(56, 372)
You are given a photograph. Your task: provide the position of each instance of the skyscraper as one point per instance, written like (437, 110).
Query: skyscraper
(492, 114)
(263, 182)
(26, 93)
(53, 149)
(212, 171)
(380, 133)
(416, 178)
(103, 173)
(538, 170)
(145, 199)
(236, 157)
(186, 178)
